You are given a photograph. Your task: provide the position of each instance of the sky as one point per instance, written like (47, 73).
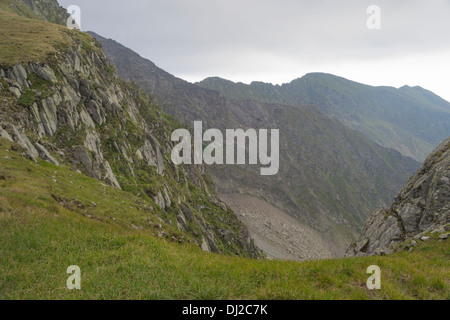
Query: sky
(277, 41)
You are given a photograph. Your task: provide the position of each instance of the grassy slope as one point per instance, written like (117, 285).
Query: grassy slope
(25, 40)
(44, 10)
(18, 7)
(143, 181)
(40, 237)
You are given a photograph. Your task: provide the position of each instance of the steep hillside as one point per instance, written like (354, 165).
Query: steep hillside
(411, 120)
(331, 178)
(421, 209)
(176, 97)
(46, 10)
(62, 101)
(41, 234)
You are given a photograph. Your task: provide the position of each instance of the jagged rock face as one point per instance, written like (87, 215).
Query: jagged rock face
(421, 207)
(72, 109)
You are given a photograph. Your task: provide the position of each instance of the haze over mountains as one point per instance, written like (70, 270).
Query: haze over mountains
(411, 120)
(331, 177)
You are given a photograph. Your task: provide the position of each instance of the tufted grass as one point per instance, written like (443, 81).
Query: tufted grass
(41, 235)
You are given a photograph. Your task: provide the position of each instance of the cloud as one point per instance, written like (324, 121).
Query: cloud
(271, 40)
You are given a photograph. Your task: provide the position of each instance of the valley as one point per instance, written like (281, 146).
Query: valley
(110, 164)
(320, 188)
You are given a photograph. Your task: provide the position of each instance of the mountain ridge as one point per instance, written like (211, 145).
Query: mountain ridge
(411, 120)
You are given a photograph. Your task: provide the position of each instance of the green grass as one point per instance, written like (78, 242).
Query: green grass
(18, 8)
(25, 40)
(46, 226)
(27, 98)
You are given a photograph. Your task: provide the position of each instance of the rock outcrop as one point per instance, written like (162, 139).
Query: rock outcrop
(72, 109)
(421, 208)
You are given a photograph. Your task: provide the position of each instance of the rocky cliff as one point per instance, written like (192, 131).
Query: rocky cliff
(70, 108)
(421, 209)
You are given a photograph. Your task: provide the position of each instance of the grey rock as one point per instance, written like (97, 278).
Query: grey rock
(48, 116)
(422, 206)
(167, 198)
(21, 75)
(159, 200)
(151, 152)
(212, 245)
(4, 134)
(109, 176)
(86, 119)
(444, 236)
(15, 91)
(45, 155)
(23, 141)
(182, 224)
(37, 117)
(70, 96)
(82, 155)
(96, 112)
(227, 235)
(439, 230)
(187, 211)
(205, 245)
(46, 73)
(92, 143)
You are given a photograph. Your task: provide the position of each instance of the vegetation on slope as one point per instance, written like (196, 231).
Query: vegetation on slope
(107, 129)
(29, 41)
(44, 10)
(52, 217)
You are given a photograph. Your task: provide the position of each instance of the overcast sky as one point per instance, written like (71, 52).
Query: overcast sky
(280, 40)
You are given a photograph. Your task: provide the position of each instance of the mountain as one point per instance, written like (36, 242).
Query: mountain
(411, 120)
(421, 210)
(62, 102)
(331, 178)
(56, 87)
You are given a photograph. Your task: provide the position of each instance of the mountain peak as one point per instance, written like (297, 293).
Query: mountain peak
(411, 120)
